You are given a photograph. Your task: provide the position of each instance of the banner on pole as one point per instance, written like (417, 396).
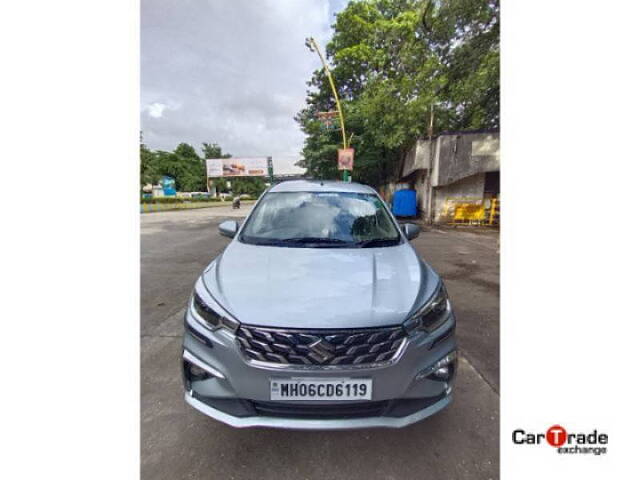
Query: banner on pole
(345, 158)
(328, 119)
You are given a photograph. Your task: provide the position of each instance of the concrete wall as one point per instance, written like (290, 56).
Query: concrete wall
(459, 156)
(418, 158)
(468, 189)
(421, 188)
(387, 190)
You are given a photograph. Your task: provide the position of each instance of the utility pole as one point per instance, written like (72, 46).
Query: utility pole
(312, 45)
(270, 169)
(430, 130)
(430, 171)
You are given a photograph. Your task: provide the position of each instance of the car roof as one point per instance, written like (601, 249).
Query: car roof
(320, 186)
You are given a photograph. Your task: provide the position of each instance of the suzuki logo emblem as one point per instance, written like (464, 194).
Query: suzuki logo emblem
(321, 351)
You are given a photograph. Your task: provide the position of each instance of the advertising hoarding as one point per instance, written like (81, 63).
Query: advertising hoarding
(237, 167)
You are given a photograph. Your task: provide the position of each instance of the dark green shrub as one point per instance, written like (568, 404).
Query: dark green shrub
(172, 200)
(160, 200)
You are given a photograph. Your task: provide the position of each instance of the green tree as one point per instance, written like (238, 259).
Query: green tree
(183, 164)
(148, 166)
(213, 150)
(465, 35)
(253, 186)
(392, 61)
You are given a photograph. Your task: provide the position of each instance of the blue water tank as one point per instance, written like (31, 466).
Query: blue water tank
(405, 203)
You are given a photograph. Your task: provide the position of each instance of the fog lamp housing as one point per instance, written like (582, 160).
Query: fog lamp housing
(195, 370)
(443, 370)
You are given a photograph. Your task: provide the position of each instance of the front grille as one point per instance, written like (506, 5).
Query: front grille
(337, 411)
(320, 347)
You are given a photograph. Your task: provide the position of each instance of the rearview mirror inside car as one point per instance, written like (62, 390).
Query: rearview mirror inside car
(411, 230)
(228, 228)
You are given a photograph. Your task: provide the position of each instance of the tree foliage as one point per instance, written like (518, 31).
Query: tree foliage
(148, 166)
(189, 170)
(392, 61)
(213, 150)
(183, 164)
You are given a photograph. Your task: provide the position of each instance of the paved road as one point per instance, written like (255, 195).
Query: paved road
(461, 442)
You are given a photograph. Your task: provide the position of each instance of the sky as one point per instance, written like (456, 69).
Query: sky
(231, 72)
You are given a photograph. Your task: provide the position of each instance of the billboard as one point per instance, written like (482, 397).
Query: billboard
(237, 167)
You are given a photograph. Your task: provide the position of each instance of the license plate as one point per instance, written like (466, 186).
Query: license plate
(321, 389)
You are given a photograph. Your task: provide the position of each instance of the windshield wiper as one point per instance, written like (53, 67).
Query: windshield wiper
(304, 241)
(378, 242)
(321, 240)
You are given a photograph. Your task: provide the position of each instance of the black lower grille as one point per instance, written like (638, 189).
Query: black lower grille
(321, 347)
(347, 410)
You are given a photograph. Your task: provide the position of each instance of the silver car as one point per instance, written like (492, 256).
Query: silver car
(319, 315)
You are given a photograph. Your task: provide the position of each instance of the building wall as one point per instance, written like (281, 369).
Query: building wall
(387, 190)
(459, 156)
(421, 187)
(418, 158)
(469, 189)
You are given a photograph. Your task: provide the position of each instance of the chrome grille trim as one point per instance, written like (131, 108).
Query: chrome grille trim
(314, 349)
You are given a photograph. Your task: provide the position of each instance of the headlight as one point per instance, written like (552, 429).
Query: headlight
(432, 314)
(206, 313)
(209, 317)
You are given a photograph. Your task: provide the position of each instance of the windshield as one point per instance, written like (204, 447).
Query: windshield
(320, 219)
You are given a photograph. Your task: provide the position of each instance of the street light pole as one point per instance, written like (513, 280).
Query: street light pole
(311, 43)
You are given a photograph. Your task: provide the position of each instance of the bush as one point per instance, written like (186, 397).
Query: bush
(172, 200)
(159, 200)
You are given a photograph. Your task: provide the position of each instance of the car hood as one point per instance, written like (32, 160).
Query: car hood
(318, 287)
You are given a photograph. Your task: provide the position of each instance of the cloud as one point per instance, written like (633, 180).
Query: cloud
(155, 109)
(230, 72)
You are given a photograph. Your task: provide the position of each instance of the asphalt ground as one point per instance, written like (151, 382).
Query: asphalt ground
(178, 442)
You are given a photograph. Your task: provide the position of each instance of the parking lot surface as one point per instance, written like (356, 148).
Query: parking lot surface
(177, 442)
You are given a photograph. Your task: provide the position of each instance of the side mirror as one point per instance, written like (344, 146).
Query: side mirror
(411, 230)
(228, 228)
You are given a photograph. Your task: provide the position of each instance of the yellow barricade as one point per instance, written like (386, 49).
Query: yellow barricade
(468, 212)
(471, 211)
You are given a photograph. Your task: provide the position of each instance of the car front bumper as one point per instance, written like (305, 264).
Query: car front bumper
(316, 424)
(236, 391)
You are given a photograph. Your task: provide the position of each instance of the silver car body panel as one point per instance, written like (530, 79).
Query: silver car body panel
(316, 287)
